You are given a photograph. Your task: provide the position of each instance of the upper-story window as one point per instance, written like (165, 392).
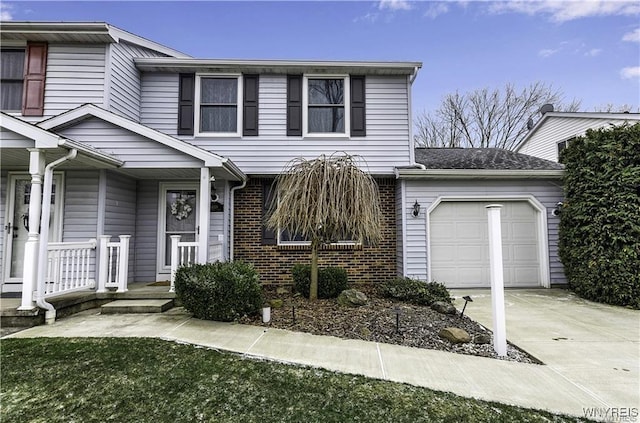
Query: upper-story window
(325, 111)
(12, 78)
(218, 104)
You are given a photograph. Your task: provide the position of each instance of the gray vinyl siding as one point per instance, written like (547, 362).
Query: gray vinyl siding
(544, 143)
(146, 230)
(385, 146)
(120, 212)
(75, 76)
(159, 108)
(548, 193)
(10, 139)
(125, 79)
(137, 151)
(3, 212)
(80, 206)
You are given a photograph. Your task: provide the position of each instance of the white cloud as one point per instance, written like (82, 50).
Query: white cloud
(394, 5)
(436, 9)
(369, 17)
(5, 12)
(593, 52)
(563, 11)
(630, 72)
(548, 52)
(633, 36)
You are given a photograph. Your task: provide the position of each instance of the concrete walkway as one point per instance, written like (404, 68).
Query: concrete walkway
(591, 351)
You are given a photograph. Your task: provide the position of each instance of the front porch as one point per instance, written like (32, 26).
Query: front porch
(77, 301)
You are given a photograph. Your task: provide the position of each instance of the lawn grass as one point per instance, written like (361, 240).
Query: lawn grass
(151, 380)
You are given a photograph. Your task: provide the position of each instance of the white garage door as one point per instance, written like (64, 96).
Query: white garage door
(460, 245)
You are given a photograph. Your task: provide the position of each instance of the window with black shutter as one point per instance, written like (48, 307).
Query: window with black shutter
(250, 106)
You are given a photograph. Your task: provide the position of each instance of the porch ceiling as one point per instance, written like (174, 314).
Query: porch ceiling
(18, 159)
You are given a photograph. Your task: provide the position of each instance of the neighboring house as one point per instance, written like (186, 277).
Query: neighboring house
(555, 130)
(134, 145)
(452, 186)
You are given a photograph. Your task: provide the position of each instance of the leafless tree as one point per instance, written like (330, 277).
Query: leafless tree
(486, 118)
(616, 108)
(325, 200)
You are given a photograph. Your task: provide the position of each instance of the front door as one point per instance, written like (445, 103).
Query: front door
(178, 214)
(17, 226)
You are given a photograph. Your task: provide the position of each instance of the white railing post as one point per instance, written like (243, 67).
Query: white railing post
(175, 259)
(103, 263)
(497, 280)
(123, 271)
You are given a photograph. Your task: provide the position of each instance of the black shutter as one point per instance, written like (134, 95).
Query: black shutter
(250, 106)
(268, 191)
(186, 103)
(294, 105)
(358, 111)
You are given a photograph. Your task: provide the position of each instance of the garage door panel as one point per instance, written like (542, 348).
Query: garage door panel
(460, 247)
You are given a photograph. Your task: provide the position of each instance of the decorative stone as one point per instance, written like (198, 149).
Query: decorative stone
(283, 290)
(444, 307)
(352, 298)
(276, 303)
(482, 338)
(455, 335)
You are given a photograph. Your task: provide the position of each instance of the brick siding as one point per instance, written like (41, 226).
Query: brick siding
(364, 264)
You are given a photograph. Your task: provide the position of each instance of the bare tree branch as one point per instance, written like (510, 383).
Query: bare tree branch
(486, 118)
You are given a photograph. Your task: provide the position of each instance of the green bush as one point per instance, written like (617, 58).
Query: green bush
(223, 291)
(331, 280)
(415, 291)
(600, 218)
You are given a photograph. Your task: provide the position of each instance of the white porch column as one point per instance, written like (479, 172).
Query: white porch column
(30, 269)
(203, 215)
(497, 280)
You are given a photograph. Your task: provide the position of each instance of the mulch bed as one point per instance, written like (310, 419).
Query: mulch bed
(416, 326)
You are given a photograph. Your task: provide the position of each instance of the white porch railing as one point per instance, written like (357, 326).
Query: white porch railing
(114, 263)
(68, 267)
(186, 253)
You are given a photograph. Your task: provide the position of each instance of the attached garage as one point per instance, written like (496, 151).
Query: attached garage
(459, 244)
(445, 224)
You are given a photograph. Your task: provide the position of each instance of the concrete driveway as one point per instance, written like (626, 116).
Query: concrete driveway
(596, 347)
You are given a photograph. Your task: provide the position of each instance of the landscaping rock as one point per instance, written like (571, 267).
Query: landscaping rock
(283, 290)
(443, 307)
(455, 335)
(276, 303)
(482, 338)
(352, 298)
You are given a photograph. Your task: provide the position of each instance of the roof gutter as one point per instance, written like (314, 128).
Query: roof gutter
(478, 174)
(90, 152)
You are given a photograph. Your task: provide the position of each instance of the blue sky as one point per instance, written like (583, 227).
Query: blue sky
(588, 49)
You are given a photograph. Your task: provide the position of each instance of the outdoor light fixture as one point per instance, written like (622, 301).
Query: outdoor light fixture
(466, 299)
(416, 209)
(214, 194)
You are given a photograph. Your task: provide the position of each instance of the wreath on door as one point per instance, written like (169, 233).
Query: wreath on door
(181, 209)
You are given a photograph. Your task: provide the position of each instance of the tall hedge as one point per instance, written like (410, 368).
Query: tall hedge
(600, 217)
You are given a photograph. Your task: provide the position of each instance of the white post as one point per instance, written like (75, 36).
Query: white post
(103, 270)
(123, 271)
(175, 259)
(30, 262)
(203, 216)
(497, 280)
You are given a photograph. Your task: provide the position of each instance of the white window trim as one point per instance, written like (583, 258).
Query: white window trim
(305, 107)
(239, 104)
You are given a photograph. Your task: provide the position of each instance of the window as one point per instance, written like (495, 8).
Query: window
(218, 104)
(564, 144)
(325, 102)
(12, 78)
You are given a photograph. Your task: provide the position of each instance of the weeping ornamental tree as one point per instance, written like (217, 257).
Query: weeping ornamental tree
(325, 200)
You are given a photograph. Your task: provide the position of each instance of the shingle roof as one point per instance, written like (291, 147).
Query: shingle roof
(481, 158)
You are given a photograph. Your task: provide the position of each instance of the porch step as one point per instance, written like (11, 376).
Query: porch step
(136, 306)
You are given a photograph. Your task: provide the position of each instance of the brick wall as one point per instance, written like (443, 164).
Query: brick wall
(364, 264)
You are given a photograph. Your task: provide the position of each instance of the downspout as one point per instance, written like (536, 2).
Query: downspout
(231, 213)
(412, 147)
(50, 314)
